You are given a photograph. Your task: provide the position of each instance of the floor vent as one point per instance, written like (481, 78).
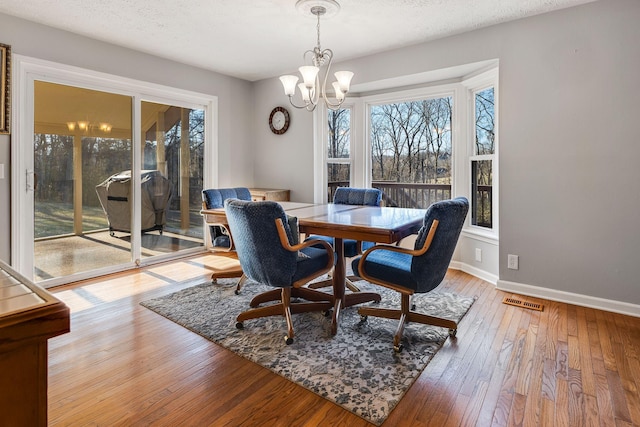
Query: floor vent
(523, 304)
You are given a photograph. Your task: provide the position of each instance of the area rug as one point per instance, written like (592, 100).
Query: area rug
(356, 369)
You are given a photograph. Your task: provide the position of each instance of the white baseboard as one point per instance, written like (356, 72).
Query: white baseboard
(570, 298)
(484, 275)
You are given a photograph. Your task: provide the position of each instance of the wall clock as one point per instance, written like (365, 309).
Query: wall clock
(279, 120)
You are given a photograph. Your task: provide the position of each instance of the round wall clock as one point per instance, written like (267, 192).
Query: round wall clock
(279, 120)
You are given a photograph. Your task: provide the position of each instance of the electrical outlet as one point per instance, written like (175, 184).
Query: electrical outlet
(478, 255)
(512, 262)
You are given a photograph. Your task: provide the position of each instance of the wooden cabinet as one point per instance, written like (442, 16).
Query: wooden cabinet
(29, 316)
(269, 194)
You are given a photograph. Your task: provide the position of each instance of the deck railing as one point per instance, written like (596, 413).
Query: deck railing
(420, 196)
(403, 194)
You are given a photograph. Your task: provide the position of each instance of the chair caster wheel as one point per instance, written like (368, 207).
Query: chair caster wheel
(327, 313)
(237, 292)
(398, 348)
(452, 333)
(239, 325)
(363, 318)
(413, 307)
(288, 340)
(214, 281)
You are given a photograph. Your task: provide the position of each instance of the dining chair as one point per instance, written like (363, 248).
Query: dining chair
(221, 239)
(268, 254)
(418, 270)
(351, 196)
(214, 198)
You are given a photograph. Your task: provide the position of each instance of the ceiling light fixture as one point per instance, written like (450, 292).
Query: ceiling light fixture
(320, 60)
(86, 126)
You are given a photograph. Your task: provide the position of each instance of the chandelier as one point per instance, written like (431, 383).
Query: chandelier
(86, 126)
(317, 67)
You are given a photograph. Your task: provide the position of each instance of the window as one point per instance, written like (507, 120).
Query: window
(411, 151)
(482, 158)
(419, 146)
(338, 150)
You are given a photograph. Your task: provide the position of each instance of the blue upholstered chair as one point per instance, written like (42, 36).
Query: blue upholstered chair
(415, 271)
(268, 253)
(352, 196)
(220, 236)
(214, 199)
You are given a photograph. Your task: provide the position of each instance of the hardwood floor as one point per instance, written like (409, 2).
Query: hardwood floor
(123, 365)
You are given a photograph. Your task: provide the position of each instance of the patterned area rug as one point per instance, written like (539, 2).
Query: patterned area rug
(357, 368)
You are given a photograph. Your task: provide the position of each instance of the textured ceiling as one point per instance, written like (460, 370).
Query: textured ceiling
(255, 39)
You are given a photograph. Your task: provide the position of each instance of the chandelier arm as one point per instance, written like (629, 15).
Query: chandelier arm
(295, 105)
(329, 53)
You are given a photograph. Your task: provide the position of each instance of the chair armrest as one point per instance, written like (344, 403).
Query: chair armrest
(412, 252)
(284, 240)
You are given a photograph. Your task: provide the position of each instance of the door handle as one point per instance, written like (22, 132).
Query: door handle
(31, 180)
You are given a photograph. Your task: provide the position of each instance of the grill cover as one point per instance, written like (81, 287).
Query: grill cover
(115, 197)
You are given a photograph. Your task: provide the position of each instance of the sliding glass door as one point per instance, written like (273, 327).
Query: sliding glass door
(107, 172)
(173, 159)
(82, 140)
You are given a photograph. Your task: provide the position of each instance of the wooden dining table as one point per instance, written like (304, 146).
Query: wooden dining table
(364, 223)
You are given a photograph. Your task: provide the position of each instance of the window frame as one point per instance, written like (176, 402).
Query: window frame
(474, 85)
(462, 138)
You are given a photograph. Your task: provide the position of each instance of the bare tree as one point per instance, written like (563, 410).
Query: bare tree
(411, 141)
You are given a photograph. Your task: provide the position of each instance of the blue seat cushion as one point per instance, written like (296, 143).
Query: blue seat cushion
(222, 241)
(388, 266)
(314, 260)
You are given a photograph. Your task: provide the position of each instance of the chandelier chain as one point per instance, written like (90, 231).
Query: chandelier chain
(318, 29)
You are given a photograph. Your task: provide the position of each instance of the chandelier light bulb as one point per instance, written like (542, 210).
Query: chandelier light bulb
(344, 80)
(309, 74)
(289, 84)
(305, 92)
(339, 93)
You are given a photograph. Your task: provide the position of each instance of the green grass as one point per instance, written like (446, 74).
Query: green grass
(53, 219)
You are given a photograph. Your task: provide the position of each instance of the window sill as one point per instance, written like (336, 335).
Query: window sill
(477, 233)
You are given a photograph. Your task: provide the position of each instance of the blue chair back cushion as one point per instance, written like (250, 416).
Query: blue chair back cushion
(422, 273)
(262, 256)
(357, 196)
(214, 198)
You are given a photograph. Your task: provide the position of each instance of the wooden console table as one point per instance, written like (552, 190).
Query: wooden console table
(276, 195)
(29, 316)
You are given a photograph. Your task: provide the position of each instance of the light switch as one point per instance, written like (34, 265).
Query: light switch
(1, 170)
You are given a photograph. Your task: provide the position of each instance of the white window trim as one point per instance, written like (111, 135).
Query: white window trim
(473, 85)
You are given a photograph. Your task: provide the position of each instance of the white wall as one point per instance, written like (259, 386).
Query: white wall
(283, 161)
(569, 108)
(235, 124)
